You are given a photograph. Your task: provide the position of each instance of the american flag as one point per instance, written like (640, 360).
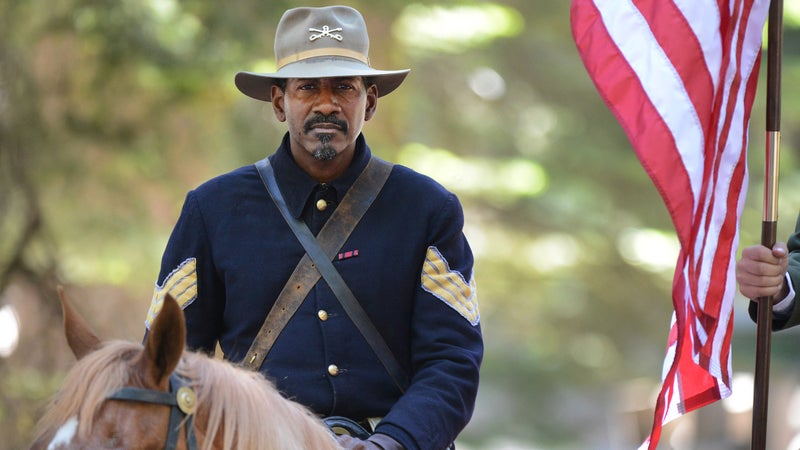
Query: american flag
(680, 76)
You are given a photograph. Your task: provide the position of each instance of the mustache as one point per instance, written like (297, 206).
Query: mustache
(322, 118)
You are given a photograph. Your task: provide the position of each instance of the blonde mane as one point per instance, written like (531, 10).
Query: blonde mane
(236, 408)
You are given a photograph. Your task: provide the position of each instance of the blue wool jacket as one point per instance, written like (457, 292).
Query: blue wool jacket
(407, 262)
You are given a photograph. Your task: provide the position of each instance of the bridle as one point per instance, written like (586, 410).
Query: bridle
(182, 400)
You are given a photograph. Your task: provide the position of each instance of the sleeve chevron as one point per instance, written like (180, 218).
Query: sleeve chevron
(450, 286)
(181, 283)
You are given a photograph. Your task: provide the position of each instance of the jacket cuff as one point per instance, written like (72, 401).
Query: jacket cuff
(398, 434)
(385, 442)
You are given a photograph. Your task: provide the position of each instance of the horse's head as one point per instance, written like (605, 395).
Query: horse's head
(122, 395)
(83, 414)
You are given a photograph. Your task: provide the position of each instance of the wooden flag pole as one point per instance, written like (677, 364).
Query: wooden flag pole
(769, 224)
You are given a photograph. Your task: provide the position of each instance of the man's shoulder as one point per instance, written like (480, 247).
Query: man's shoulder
(421, 193)
(411, 180)
(226, 182)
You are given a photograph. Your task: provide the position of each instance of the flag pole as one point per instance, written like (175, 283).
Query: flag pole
(769, 225)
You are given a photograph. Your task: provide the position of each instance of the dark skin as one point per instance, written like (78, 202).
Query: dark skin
(761, 272)
(324, 117)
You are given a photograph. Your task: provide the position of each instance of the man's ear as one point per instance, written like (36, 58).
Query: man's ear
(372, 102)
(277, 102)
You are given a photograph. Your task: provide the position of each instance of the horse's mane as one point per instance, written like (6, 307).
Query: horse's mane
(236, 408)
(86, 386)
(250, 409)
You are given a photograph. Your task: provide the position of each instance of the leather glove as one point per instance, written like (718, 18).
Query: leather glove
(377, 441)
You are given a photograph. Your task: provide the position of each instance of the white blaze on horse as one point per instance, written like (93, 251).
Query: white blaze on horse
(122, 395)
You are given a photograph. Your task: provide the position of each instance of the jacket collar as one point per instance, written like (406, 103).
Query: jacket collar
(297, 186)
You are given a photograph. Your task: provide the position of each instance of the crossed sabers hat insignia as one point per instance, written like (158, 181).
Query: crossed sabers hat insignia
(325, 32)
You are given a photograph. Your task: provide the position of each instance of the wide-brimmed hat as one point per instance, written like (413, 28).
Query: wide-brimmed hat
(319, 43)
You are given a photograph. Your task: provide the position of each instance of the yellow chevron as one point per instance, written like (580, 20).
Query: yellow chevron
(181, 283)
(450, 286)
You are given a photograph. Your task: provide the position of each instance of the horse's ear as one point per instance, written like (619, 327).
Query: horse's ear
(80, 337)
(164, 344)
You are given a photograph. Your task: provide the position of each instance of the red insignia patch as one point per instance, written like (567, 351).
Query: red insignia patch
(348, 255)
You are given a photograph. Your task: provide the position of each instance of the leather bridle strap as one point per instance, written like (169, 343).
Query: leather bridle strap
(181, 400)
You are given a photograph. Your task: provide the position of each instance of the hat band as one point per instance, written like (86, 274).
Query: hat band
(322, 52)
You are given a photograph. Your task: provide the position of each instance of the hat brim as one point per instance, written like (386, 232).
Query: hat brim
(258, 85)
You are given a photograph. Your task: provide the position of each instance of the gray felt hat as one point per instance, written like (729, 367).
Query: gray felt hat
(318, 43)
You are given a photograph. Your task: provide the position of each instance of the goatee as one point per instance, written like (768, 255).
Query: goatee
(325, 152)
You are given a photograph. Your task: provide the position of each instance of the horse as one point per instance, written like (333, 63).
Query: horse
(123, 395)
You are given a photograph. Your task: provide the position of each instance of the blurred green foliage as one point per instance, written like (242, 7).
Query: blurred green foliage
(111, 110)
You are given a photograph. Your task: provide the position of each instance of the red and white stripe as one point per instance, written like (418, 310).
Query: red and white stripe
(680, 76)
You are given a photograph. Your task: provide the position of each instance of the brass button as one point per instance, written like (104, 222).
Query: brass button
(322, 314)
(322, 205)
(333, 370)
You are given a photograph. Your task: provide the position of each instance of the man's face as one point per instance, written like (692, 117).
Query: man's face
(324, 115)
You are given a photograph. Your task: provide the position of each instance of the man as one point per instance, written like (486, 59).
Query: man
(406, 261)
(763, 272)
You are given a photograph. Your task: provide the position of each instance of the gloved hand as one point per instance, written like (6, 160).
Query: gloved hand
(377, 441)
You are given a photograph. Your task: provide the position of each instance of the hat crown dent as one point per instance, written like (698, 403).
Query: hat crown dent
(309, 31)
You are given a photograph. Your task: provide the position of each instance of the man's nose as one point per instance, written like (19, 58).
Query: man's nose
(327, 102)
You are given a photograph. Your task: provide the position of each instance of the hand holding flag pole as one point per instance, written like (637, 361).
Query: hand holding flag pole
(769, 221)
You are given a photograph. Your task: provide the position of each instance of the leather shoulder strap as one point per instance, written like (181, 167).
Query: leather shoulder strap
(317, 262)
